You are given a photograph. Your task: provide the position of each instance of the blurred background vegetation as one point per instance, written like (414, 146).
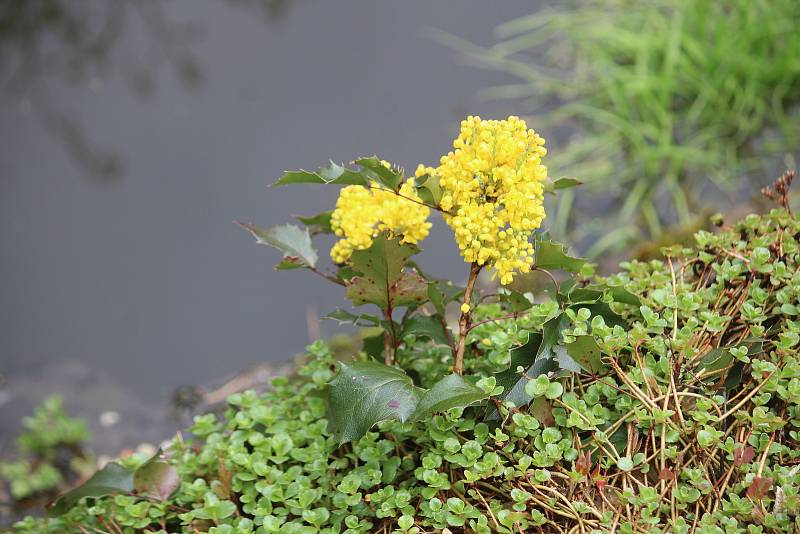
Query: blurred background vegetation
(665, 108)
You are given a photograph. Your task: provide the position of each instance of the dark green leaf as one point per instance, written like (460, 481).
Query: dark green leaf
(623, 296)
(293, 241)
(328, 174)
(112, 479)
(426, 326)
(373, 346)
(346, 317)
(551, 255)
(716, 359)
(536, 357)
(346, 273)
(561, 183)
(365, 393)
(581, 295)
(381, 280)
(602, 309)
(429, 190)
(586, 352)
(319, 223)
(389, 178)
(516, 301)
(450, 392)
(566, 183)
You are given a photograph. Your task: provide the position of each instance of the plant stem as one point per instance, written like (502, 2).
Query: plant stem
(464, 322)
(389, 340)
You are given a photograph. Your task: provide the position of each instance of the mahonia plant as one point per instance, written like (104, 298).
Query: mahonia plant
(489, 190)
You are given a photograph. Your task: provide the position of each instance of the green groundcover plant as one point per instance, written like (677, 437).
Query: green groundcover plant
(664, 398)
(50, 452)
(660, 101)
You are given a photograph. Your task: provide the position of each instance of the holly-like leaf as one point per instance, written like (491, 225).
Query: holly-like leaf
(586, 352)
(541, 354)
(451, 391)
(374, 169)
(428, 189)
(317, 224)
(551, 255)
(346, 317)
(157, 479)
(426, 326)
(381, 280)
(327, 174)
(293, 241)
(111, 479)
(365, 393)
(528, 357)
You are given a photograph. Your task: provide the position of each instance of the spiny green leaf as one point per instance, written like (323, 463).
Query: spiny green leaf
(293, 241)
(347, 317)
(451, 391)
(111, 479)
(429, 190)
(526, 356)
(381, 280)
(374, 169)
(327, 174)
(365, 393)
(550, 255)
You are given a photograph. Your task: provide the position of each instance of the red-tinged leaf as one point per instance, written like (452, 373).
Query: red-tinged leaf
(666, 474)
(584, 463)
(743, 455)
(382, 280)
(157, 478)
(759, 488)
(601, 484)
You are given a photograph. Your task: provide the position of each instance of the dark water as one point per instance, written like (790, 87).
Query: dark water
(122, 273)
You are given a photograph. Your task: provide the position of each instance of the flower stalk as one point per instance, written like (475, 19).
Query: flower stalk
(465, 320)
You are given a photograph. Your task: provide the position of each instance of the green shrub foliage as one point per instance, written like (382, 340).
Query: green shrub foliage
(665, 398)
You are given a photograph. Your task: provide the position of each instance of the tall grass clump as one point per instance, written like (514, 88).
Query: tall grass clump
(658, 103)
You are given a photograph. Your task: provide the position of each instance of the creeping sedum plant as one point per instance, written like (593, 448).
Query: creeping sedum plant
(665, 398)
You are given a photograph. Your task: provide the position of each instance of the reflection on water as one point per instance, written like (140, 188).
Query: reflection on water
(198, 105)
(44, 43)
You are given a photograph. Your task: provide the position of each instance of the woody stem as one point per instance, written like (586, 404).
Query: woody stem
(464, 321)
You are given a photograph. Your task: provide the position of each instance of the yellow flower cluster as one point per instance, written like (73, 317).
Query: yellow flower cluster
(492, 192)
(364, 212)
